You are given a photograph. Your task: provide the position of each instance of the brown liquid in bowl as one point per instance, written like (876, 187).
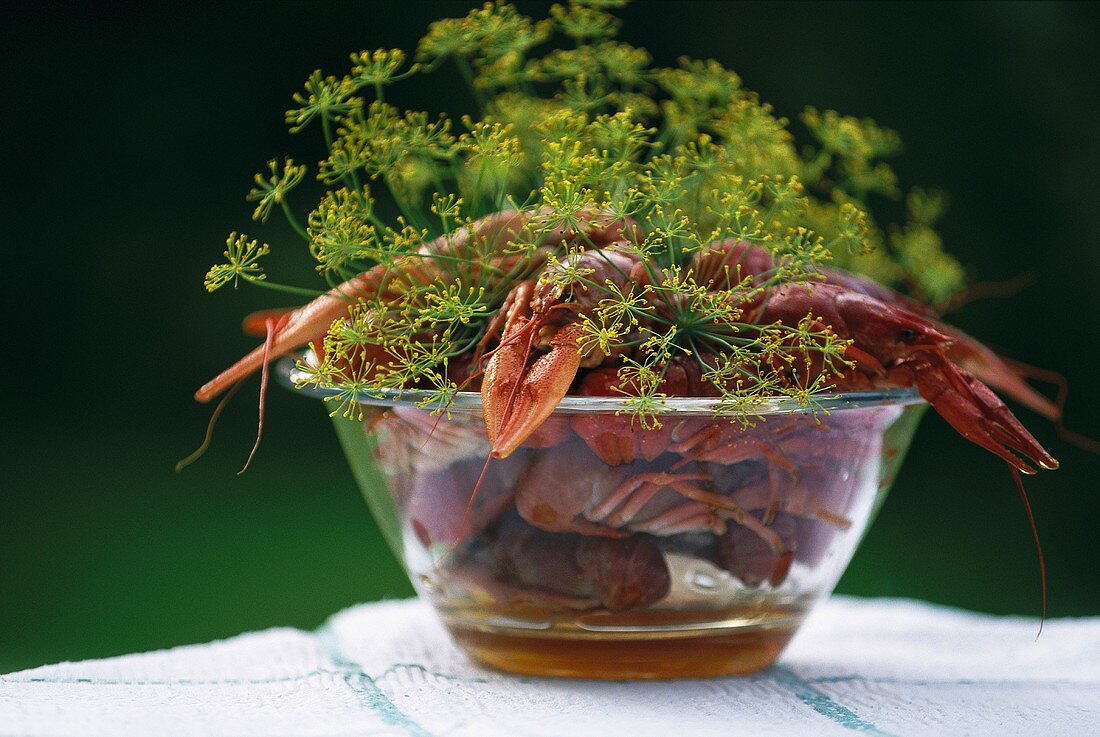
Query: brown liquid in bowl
(653, 645)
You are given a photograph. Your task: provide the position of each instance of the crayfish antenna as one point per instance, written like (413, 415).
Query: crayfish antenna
(467, 516)
(201, 450)
(990, 290)
(1084, 442)
(1038, 545)
(273, 329)
(1002, 374)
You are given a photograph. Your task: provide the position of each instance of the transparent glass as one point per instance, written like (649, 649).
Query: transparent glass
(602, 550)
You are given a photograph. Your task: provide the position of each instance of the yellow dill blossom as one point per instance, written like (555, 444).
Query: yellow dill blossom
(576, 128)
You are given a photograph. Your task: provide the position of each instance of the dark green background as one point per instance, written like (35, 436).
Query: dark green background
(129, 140)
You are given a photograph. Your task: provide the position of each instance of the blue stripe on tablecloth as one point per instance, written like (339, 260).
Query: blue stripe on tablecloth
(377, 701)
(78, 680)
(366, 689)
(822, 703)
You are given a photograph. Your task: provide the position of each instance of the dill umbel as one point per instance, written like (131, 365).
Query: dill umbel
(572, 136)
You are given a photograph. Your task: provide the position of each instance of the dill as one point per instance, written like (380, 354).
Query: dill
(576, 124)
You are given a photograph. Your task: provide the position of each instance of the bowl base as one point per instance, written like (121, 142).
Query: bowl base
(731, 651)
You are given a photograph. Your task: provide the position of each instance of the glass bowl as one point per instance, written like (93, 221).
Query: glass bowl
(602, 550)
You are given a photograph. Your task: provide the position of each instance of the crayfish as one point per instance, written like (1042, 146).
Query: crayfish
(578, 508)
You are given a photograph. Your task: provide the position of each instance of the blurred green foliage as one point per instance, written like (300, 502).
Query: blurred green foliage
(131, 137)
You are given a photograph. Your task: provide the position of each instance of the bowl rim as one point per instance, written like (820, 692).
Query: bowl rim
(289, 375)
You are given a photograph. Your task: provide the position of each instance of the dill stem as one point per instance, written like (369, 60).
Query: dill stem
(454, 259)
(437, 179)
(468, 76)
(412, 216)
(376, 221)
(294, 221)
(476, 203)
(349, 178)
(301, 291)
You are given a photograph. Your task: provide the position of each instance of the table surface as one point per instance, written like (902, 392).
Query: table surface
(871, 666)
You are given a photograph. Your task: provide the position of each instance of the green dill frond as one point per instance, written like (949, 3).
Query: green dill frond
(584, 23)
(640, 386)
(599, 334)
(577, 130)
(486, 34)
(919, 251)
(564, 273)
(379, 68)
(367, 141)
(852, 226)
(451, 305)
(325, 98)
(925, 207)
(493, 160)
(241, 262)
(343, 235)
(438, 397)
(800, 249)
(703, 83)
(272, 190)
(850, 148)
(757, 142)
(351, 387)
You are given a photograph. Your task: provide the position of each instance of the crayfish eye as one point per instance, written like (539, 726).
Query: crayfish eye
(908, 335)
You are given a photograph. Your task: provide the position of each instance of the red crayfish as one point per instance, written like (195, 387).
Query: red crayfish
(661, 483)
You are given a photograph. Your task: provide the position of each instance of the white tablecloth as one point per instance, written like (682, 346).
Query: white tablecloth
(878, 667)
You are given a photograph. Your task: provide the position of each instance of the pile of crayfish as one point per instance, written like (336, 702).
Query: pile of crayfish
(583, 516)
(584, 509)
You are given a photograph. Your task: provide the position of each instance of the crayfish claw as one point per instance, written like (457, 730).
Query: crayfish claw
(515, 400)
(976, 412)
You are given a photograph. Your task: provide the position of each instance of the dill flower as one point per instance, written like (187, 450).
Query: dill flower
(568, 139)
